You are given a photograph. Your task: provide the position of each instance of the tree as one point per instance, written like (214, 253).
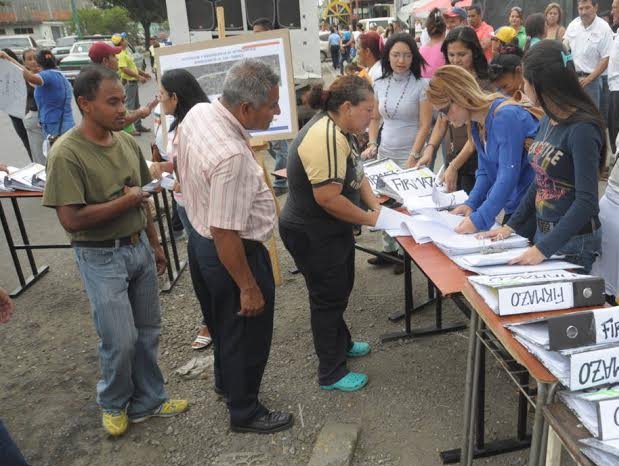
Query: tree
(106, 21)
(145, 12)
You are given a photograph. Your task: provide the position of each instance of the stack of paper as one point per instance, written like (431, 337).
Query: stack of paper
(596, 409)
(458, 245)
(537, 292)
(22, 180)
(439, 199)
(579, 368)
(374, 170)
(602, 452)
(3, 175)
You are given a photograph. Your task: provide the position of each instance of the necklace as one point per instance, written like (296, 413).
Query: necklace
(397, 105)
(548, 131)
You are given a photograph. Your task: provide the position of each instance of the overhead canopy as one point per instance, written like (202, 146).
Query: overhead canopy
(421, 8)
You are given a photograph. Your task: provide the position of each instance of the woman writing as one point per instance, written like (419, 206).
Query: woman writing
(516, 21)
(325, 179)
(179, 91)
(461, 48)
(406, 115)
(432, 53)
(553, 15)
(499, 132)
(567, 155)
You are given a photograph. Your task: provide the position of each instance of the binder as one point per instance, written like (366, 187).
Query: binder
(597, 409)
(414, 182)
(538, 292)
(601, 452)
(585, 328)
(577, 329)
(581, 368)
(375, 169)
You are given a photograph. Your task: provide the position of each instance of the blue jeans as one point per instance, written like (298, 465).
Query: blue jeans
(594, 89)
(9, 452)
(580, 249)
(122, 287)
(279, 151)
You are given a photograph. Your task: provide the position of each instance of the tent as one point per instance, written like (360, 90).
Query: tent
(421, 8)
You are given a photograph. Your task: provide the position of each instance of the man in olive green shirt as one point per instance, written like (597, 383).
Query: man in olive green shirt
(94, 177)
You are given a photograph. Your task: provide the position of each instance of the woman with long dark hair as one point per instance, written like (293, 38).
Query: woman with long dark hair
(179, 91)
(405, 113)
(461, 48)
(567, 156)
(326, 182)
(505, 73)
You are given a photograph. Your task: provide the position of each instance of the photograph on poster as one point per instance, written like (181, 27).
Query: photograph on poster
(209, 61)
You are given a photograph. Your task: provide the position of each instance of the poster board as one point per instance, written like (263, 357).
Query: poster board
(13, 92)
(209, 61)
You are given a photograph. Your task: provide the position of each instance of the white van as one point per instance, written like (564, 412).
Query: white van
(379, 22)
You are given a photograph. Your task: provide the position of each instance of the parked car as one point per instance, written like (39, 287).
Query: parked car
(46, 43)
(64, 44)
(71, 65)
(18, 43)
(379, 22)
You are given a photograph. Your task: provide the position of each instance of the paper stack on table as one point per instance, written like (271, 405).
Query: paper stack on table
(596, 409)
(594, 362)
(22, 180)
(3, 175)
(602, 452)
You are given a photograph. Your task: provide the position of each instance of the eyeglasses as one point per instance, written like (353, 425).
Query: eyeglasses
(401, 56)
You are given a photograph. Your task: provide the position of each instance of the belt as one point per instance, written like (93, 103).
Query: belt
(591, 226)
(582, 74)
(126, 81)
(130, 240)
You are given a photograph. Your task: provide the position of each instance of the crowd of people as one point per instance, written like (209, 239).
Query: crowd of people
(516, 115)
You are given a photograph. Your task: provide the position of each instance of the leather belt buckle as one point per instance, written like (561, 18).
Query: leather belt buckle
(135, 238)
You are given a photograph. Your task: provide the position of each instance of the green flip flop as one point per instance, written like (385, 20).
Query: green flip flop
(358, 349)
(351, 382)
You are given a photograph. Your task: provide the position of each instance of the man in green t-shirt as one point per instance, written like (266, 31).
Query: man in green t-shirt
(94, 177)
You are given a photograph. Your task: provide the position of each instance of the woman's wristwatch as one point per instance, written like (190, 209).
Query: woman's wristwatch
(416, 155)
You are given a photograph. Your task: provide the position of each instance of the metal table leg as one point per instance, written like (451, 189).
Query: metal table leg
(469, 388)
(538, 424)
(24, 283)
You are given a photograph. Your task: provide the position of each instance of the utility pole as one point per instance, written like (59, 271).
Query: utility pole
(76, 20)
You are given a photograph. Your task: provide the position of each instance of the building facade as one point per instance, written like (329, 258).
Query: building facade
(42, 19)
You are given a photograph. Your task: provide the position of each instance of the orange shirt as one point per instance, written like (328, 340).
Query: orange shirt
(484, 33)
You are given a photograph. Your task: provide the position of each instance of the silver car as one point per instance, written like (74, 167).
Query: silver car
(71, 65)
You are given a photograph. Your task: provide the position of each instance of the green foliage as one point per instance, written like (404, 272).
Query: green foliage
(106, 21)
(143, 11)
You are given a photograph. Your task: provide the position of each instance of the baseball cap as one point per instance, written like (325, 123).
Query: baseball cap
(118, 38)
(505, 34)
(455, 12)
(99, 50)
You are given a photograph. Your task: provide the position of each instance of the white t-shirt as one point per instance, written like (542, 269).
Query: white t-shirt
(375, 71)
(613, 66)
(589, 45)
(425, 37)
(356, 35)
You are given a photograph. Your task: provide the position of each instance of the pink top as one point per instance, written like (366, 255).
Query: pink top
(434, 57)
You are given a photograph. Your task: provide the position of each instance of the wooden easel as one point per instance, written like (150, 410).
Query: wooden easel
(258, 147)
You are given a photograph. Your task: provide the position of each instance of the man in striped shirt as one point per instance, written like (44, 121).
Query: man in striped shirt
(233, 212)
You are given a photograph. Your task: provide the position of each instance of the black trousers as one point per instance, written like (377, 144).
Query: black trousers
(335, 56)
(20, 129)
(613, 119)
(327, 263)
(241, 344)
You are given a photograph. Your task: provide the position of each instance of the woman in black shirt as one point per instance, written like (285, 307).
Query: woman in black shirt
(326, 181)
